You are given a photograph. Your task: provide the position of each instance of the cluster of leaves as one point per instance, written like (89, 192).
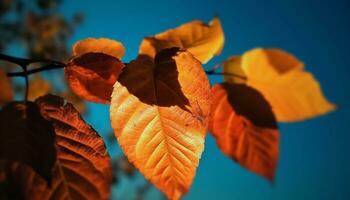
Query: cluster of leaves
(40, 31)
(161, 106)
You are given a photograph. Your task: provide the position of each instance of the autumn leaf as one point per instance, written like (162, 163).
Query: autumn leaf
(99, 45)
(245, 128)
(202, 40)
(6, 92)
(91, 76)
(293, 93)
(25, 136)
(159, 116)
(83, 168)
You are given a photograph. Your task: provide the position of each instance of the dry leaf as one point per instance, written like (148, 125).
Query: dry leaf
(99, 45)
(6, 92)
(159, 115)
(202, 40)
(245, 128)
(91, 76)
(293, 93)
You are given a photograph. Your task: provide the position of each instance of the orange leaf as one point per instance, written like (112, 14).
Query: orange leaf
(293, 93)
(202, 40)
(159, 114)
(83, 168)
(99, 45)
(91, 76)
(6, 92)
(245, 128)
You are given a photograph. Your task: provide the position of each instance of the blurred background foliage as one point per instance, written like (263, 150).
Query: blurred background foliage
(38, 30)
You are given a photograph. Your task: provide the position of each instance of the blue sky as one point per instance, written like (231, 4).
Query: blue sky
(314, 161)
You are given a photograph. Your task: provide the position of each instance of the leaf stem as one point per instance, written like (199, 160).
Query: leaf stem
(210, 72)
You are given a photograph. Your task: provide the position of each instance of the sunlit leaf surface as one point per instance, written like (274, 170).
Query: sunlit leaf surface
(245, 128)
(159, 115)
(293, 93)
(202, 40)
(99, 45)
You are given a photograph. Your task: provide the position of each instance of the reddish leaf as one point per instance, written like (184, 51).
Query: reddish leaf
(245, 128)
(92, 76)
(83, 168)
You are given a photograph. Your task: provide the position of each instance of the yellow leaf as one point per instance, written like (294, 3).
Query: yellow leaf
(99, 45)
(233, 66)
(159, 115)
(202, 40)
(6, 92)
(293, 93)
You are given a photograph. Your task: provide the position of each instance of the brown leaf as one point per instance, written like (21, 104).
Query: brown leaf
(25, 136)
(159, 113)
(92, 75)
(6, 92)
(245, 128)
(83, 168)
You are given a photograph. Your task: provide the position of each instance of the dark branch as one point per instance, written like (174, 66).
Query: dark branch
(24, 63)
(32, 71)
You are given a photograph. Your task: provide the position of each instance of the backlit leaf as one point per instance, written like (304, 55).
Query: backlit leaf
(245, 128)
(293, 93)
(159, 114)
(202, 40)
(99, 45)
(27, 137)
(82, 170)
(91, 76)
(6, 92)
